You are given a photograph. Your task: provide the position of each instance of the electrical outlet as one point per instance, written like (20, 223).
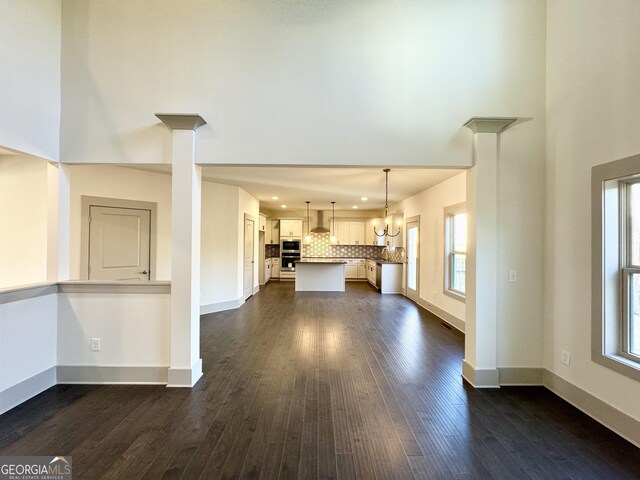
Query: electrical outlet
(95, 344)
(566, 357)
(513, 275)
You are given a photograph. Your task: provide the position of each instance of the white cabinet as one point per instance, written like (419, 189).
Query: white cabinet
(275, 267)
(351, 269)
(370, 237)
(355, 268)
(371, 271)
(350, 232)
(291, 228)
(262, 225)
(356, 233)
(342, 232)
(272, 235)
(395, 225)
(362, 268)
(391, 279)
(267, 270)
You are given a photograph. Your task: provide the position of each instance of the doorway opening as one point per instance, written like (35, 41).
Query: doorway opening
(413, 258)
(249, 260)
(118, 239)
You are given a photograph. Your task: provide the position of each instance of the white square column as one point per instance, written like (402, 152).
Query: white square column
(58, 222)
(186, 184)
(479, 366)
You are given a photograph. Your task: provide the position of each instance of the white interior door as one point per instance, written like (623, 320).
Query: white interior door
(248, 257)
(119, 243)
(413, 260)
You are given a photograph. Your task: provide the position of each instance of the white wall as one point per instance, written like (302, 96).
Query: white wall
(593, 105)
(345, 82)
(218, 258)
(128, 184)
(30, 35)
(521, 204)
(429, 205)
(222, 272)
(134, 329)
(223, 208)
(28, 333)
(23, 220)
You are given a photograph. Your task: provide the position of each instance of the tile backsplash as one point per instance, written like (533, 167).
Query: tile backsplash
(321, 246)
(271, 251)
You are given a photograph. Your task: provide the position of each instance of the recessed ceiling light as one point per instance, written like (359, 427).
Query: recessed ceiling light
(283, 206)
(364, 199)
(274, 198)
(355, 206)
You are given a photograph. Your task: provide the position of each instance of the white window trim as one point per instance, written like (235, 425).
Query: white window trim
(627, 268)
(607, 282)
(449, 212)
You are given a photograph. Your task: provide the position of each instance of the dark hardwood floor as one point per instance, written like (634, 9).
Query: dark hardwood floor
(310, 385)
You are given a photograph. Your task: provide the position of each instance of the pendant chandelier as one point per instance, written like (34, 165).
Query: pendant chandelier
(385, 232)
(307, 239)
(333, 238)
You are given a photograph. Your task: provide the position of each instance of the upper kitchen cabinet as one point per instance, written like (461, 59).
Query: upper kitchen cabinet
(262, 225)
(395, 225)
(370, 237)
(350, 232)
(291, 228)
(341, 232)
(356, 232)
(272, 234)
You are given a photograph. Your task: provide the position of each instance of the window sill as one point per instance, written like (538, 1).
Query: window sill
(623, 365)
(456, 295)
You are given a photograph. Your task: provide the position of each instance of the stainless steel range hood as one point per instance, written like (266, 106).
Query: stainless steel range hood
(320, 228)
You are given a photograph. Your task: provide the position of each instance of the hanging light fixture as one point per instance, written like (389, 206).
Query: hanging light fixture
(307, 239)
(334, 239)
(385, 232)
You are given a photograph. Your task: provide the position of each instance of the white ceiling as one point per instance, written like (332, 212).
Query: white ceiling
(321, 185)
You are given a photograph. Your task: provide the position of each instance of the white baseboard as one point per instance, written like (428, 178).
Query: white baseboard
(21, 392)
(455, 322)
(185, 377)
(520, 376)
(612, 418)
(480, 378)
(126, 374)
(221, 306)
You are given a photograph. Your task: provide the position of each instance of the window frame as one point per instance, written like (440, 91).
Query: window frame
(628, 269)
(449, 253)
(610, 277)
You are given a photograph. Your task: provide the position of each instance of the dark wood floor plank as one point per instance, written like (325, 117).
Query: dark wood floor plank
(320, 385)
(290, 462)
(344, 466)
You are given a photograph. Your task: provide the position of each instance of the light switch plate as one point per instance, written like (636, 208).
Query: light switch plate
(513, 275)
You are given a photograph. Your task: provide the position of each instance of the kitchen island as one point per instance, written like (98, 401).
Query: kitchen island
(320, 275)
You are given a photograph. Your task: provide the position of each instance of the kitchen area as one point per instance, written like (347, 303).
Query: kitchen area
(321, 251)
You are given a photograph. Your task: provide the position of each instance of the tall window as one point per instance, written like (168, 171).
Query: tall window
(615, 262)
(631, 269)
(455, 250)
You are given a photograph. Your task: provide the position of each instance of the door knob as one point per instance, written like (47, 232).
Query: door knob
(144, 273)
